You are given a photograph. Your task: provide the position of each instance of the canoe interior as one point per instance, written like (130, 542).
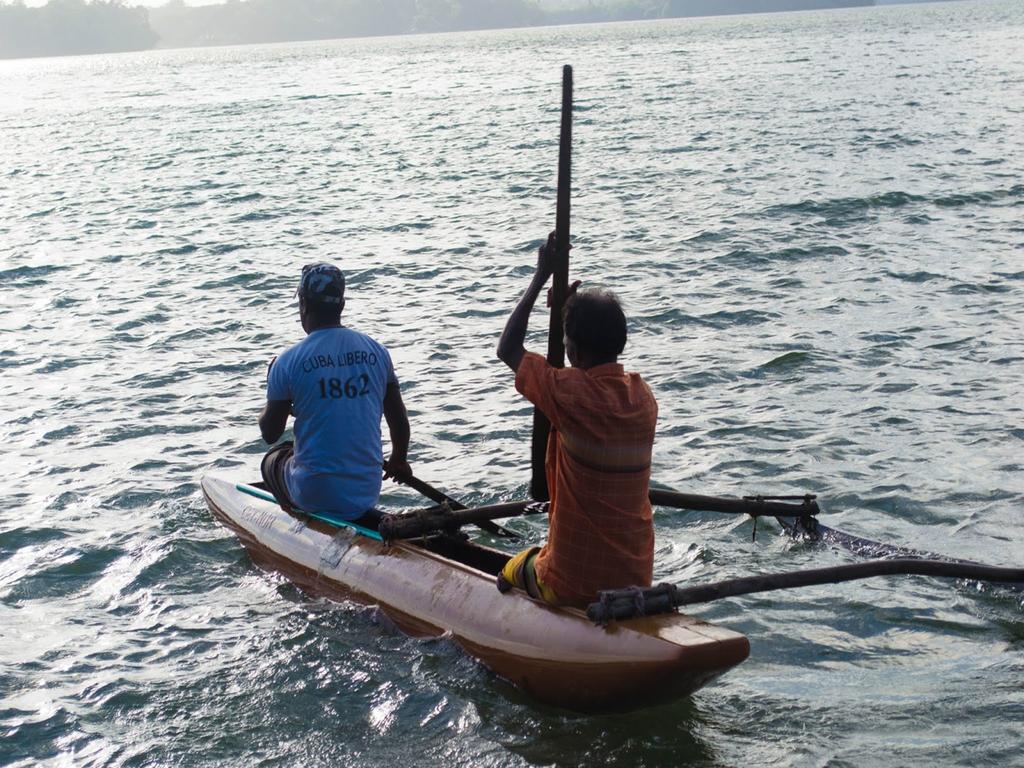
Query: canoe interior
(460, 550)
(455, 547)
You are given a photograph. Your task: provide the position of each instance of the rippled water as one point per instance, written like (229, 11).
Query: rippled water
(815, 223)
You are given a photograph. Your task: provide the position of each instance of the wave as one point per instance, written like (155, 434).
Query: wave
(786, 360)
(27, 275)
(842, 206)
(838, 208)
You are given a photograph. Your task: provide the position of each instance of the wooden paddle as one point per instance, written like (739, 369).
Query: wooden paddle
(410, 525)
(559, 288)
(439, 497)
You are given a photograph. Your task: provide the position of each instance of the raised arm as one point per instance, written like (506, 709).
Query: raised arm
(397, 418)
(510, 346)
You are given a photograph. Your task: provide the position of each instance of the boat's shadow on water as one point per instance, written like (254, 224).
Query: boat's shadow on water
(665, 736)
(450, 681)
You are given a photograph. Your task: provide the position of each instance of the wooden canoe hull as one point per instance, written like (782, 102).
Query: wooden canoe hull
(555, 654)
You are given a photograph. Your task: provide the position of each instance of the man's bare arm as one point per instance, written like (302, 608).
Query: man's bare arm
(510, 346)
(397, 418)
(273, 419)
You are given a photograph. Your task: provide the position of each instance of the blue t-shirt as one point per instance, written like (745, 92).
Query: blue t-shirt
(335, 379)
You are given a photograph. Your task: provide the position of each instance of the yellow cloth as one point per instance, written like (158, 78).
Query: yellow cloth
(521, 572)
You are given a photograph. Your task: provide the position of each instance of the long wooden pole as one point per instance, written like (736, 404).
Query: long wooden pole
(559, 287)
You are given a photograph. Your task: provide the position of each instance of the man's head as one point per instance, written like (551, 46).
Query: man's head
(595, 327)
(321, 295)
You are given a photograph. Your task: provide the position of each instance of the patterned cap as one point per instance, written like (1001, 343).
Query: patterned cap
(322, 283)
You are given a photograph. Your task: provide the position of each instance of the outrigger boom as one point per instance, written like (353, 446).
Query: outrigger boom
(619, 604)
(448, 518)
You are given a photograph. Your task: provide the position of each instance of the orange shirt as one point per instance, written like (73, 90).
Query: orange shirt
(598, 469)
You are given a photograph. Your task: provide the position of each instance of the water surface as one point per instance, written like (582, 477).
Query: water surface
(814, 223)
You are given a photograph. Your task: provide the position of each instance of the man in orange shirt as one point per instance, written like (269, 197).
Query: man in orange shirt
(598, 461)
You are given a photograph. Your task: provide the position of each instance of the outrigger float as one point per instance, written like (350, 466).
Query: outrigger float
(629, 649)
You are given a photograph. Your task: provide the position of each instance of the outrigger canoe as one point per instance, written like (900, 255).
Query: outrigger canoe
(445, 585)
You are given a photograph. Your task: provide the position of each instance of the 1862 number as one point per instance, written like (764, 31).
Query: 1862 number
(354, 386)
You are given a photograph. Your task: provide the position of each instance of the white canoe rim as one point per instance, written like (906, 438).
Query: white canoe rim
(440, 585)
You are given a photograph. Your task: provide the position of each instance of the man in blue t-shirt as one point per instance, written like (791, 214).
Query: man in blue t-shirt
(337, 383)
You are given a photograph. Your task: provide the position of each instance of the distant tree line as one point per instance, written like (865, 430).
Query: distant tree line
(64, 27)
(584, 11)
(267, 21)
